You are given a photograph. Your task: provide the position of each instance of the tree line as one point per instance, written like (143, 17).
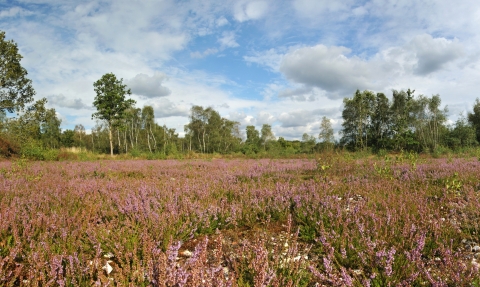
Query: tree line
(406, 122)
(371, 121)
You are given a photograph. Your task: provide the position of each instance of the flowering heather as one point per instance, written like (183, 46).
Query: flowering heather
(333, 221)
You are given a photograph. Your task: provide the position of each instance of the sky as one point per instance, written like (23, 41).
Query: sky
(283, 63)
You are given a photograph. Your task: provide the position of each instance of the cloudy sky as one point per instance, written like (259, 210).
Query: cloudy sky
(284, 63)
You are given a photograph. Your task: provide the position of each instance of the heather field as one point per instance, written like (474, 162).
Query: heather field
(331, 221)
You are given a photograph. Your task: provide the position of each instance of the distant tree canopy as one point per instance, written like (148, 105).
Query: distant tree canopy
(407, 123)
(208, 132)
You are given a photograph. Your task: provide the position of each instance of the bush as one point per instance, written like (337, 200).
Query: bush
(8, 148)
(33, 150)
(135, 153)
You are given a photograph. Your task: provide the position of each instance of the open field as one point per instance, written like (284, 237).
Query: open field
(334, 221)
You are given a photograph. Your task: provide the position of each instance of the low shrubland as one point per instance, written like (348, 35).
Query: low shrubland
(330, 221)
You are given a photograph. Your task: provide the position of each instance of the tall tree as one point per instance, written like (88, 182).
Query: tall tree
(111, 102)
(252, 143)
(428, 120)
(380, 128)
(356, 115)
(230, 134)
(15, 88)
(402, 119)
(148, 120)
(266, 135)
(326, 133)
(79, 135)
(50, 129)
(308, 143)
(204, 130)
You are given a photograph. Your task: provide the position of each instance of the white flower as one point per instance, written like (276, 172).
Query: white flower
(108, 268)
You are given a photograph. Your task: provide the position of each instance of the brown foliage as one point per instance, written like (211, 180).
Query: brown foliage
(8, 148)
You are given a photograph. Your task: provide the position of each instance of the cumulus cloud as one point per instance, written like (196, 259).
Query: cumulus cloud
(164, 108)
(250, 10)
(434, 53)
(299, 118)
(149, 87)
(327, 68)
(64, 102)
(265, 118)
(301, 94)
(294, 119)
(242, 118)
(335, 71)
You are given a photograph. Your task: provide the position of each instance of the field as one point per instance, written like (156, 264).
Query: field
(331, 221)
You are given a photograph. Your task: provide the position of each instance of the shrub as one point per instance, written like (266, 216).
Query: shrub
(8, 148)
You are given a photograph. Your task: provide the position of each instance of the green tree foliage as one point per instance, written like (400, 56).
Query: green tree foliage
(428, 121)
(474, 118)
(111, 102)
(356, 115)
(381, 121)
(253, 141)
(15, 88)
(463, 134)
(308, 143)
(408, 123)
(36, 128)
(50, 129)
(401, 113)
(80, 136)
(267, 135)
(326, 133)
(67, 138)
(208, 132)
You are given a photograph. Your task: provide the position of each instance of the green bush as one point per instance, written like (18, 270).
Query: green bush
(51, 154)
(33, 150)
(135, 153)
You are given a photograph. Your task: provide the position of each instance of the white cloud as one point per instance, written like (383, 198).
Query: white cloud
(265, 118)
(433, 54)
(315, 8)
(301, 94)
(303, 118)
(64, 102)
(250, 10)
(270, 58)
(13, 12)
(207, 52)
(164, 108)
(228, 40)
(328, 68)
(222, 21)
(335, 71)
(149, 87)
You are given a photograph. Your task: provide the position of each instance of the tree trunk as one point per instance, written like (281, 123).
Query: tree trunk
(110, 137)
(154, 140)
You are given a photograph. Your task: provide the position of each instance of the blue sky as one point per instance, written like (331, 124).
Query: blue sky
(284, 63)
